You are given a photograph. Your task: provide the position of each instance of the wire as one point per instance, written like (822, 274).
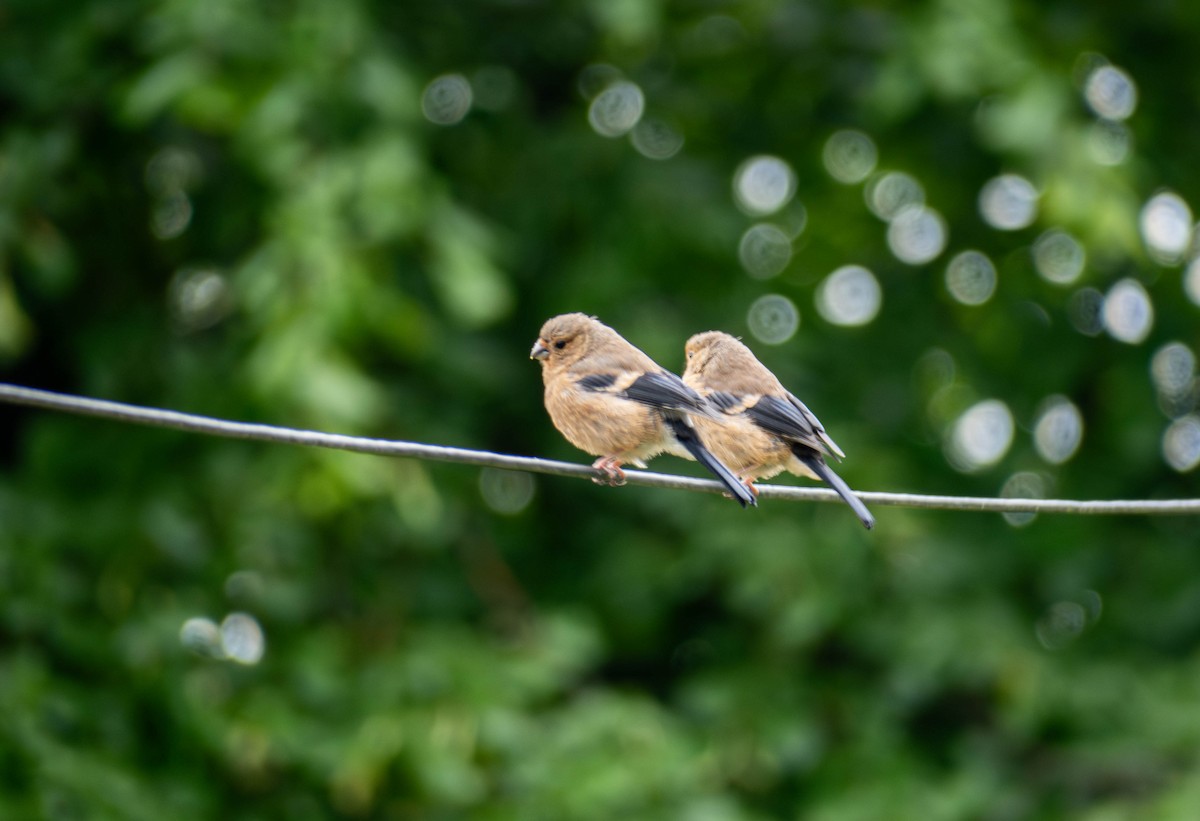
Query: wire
(156, 417)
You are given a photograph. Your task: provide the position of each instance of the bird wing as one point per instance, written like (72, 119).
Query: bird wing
(830, 446)
(732, 404)
(786, 417)
(658, 389)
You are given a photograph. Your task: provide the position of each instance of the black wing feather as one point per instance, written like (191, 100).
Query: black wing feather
(778, 416)
(597, 381)
(818, 466)
(724, 401)
(664, 390)
(688, 437)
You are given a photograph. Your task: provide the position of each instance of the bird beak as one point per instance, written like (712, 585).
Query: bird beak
(539, 351)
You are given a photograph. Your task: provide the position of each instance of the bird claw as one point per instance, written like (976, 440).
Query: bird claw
(610, 473)
(750, 487)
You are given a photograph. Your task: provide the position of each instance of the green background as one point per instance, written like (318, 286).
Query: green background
(241, 209)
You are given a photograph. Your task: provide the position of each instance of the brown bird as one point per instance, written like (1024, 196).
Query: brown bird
(613, 401)
(766, 430)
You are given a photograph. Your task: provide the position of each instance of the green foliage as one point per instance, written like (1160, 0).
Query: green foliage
(282, 212)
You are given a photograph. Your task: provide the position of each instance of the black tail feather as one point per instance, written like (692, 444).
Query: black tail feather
(688, 437)
(818, 466)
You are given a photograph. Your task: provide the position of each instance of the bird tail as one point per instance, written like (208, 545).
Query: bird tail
(817, 464)
(688, 437)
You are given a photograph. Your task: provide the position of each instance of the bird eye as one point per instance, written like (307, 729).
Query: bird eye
(560, 344)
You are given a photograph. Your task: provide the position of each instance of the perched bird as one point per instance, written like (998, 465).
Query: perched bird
(613, 401)
(766, 430)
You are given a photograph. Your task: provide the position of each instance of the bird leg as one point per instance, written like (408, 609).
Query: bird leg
(610, 471)
(746, 477)
(749, 486)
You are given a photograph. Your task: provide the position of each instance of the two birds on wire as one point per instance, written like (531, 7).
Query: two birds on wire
(728, 412)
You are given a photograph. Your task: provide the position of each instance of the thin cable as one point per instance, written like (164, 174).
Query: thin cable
(120, 411)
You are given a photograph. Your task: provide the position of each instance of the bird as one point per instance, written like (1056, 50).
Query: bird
(613, 401)
(766, 429)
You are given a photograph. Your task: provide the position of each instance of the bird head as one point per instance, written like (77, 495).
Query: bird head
(564, 339)
(708, 350)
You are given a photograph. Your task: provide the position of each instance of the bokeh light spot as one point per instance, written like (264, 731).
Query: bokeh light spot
(170, 215)
(849, 296)
(1166, 224)
(889, 194)
(169, 174)
(1058, 257)
(1181, 443)
(1085, 309)
(447, 99)
(1191, 281)
(762, 185)
(917, 235)
(1023, 485)
(1128, 312)
(773, 319)
(981, 436)
(202, 636)
(1008, 202)
(850, 156)
(935, 370)
(242, 638)
(616, 109)
(244, 586)
(1058, 431)
(971, 278)
(656, 140)
(1109, 143)
(506, 491)
(1062, 624)
(172, 169)
(1111, 93)
(765, 250)
(199, 298)
(1173, 368)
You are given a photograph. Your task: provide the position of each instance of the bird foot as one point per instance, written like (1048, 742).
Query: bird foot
(749, 486)
(610, 472)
